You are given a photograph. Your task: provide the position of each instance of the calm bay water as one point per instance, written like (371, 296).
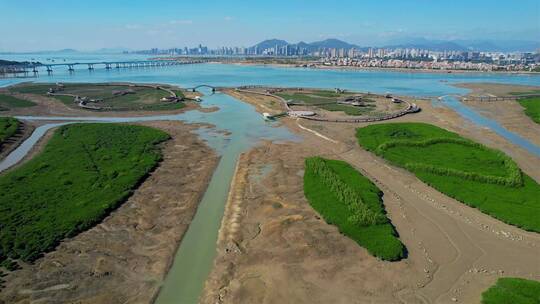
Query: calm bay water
(197, 250)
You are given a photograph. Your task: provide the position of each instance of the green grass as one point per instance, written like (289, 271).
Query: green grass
(144, 98)
(513, 291)
(8, 127)
(326, 100)
(10, 102)
(352, 203)
(307, 98)
(84, 172)
(469, 172)
(349, 110)
(525, 93)
(532, 108)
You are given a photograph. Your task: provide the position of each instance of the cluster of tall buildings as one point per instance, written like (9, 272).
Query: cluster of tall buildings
(333, 54)
(286, 50)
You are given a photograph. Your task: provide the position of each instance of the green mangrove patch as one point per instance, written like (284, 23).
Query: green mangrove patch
(8, 102)
(84, 172)
(512, 290)
(353, 203)
(532, 108)
(478, 176)
(8, 128)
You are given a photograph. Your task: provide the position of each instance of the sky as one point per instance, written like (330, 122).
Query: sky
(31, 25)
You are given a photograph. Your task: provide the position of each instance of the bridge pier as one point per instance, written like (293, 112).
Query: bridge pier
(90, 66)
(70, 68)
(107, 66)
(49, 69)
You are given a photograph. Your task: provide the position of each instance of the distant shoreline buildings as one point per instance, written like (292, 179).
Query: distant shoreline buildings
(412, 58)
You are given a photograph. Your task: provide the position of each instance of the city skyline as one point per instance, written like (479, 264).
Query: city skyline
(60, 24)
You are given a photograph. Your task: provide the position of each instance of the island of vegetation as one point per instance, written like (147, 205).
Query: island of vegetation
(8, 128)
(107, 96)
(512, 290)
(353, 203)
(345, 102)
(8, 102)
(532, 107)
(476, 175)
(84, 172)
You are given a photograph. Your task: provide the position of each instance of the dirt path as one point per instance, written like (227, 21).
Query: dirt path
(273, 247)
(125, 258)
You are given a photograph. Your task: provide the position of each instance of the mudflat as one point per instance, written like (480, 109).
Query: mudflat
(125, 257)
(274, 248)
(509, 113)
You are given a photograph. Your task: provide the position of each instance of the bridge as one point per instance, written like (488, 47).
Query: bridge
(203, 86)
(499, 98)
(108, 65)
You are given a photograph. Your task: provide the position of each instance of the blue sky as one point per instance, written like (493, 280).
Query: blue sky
(55, 24)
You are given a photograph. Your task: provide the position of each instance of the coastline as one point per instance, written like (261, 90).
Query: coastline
(377, 69)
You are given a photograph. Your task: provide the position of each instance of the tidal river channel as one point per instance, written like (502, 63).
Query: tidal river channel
(244, 128)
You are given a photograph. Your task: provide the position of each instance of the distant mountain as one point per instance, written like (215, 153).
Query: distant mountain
(270, 43)
(332, 44)
(313, 46)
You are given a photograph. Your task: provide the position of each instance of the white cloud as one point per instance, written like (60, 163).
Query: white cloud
(228, 18)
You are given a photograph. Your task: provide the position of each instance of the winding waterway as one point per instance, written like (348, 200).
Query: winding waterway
(245, 128)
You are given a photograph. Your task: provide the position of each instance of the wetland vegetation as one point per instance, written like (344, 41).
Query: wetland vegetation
(532, 108)
(8, 128)
(84, 172)
(512, 290)
(115, 97)
(327, 100)
(353, 203)
(8, 102)
(478, 176)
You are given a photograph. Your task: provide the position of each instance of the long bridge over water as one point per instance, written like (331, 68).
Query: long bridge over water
(108, 65)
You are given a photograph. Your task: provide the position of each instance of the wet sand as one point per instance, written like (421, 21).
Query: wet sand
(125, 258)
(509, 113)
(273, 248)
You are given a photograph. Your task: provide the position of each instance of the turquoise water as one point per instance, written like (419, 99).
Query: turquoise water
(197, 250)
(415, 84)
(419, 84)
